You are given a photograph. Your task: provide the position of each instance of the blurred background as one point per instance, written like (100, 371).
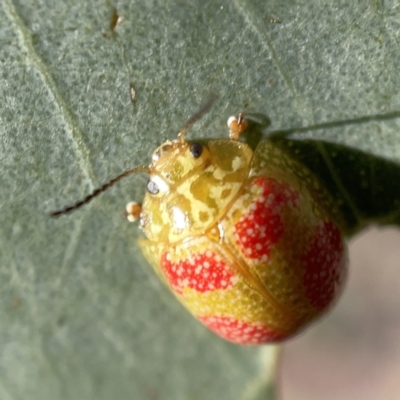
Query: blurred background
(355, 353)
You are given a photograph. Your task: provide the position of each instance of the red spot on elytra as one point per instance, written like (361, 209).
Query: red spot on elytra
(325, 265)
(241, 332)
(203, 272)
(261, 226)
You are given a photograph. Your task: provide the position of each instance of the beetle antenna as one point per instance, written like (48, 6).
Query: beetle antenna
(204, 109)
(98, 191)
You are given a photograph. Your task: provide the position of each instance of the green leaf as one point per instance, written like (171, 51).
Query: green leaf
(82, 315)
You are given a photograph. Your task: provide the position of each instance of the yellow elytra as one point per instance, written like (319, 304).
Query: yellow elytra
(247, 240)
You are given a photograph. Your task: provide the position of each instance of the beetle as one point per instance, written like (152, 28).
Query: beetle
(248, 241)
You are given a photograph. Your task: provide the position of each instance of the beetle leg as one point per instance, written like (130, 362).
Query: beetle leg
(133, 211)
(236, 126)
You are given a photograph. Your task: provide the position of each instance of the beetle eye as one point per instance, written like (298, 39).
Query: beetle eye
(196, 149)
(152, 187)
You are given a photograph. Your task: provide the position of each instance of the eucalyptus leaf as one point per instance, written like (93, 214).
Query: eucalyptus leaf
(82, 315)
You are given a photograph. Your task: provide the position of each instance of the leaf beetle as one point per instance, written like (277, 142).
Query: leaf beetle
(247, 240)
